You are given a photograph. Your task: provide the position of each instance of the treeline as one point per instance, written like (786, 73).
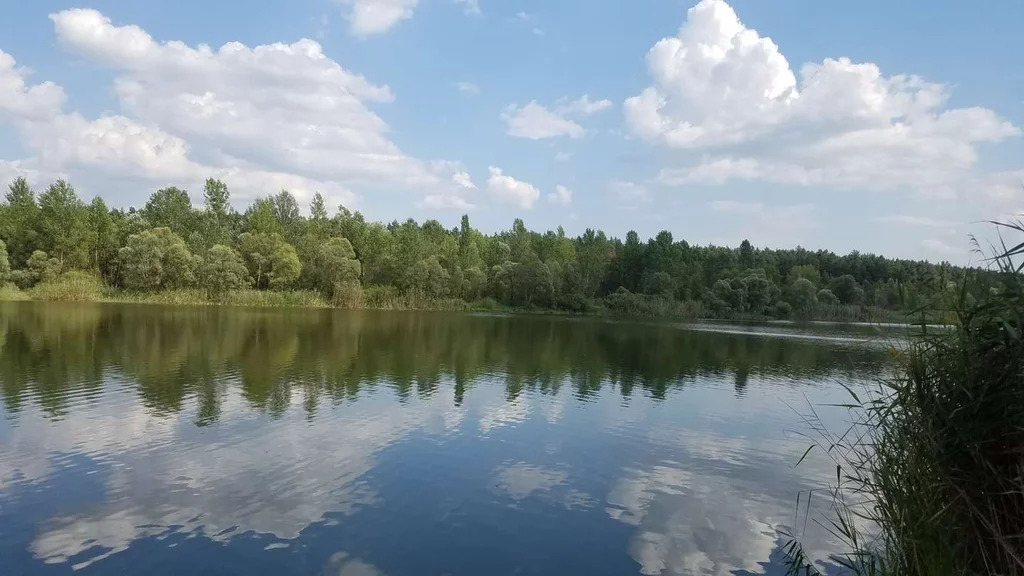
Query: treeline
(169, 244)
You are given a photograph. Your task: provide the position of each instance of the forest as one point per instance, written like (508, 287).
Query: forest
(54, 246)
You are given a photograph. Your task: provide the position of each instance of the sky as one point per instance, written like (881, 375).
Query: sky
(878, 126)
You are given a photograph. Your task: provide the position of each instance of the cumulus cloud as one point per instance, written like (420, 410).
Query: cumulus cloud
(369, 17)
(583, 106)
(537, 122)
(454, 197)
(508, 189)
(263, 118)
(721, 88)
(561, 195)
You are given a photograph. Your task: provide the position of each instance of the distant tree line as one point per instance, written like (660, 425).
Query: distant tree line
(169, 244)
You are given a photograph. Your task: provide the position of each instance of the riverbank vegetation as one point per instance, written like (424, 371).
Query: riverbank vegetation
(56, 247)
(930, 477)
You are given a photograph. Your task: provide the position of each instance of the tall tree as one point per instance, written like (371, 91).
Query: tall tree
(64, 225)
(170, 208)
(20, 226)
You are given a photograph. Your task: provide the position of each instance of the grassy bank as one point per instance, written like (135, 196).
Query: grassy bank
(930, 476)
(83, 287)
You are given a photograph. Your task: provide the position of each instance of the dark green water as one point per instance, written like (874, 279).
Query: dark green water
(151, 440)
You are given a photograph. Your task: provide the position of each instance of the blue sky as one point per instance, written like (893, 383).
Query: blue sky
(879, 126)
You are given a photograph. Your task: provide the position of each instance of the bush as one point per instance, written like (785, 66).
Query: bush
(23, 279)
(10, 292)
(72, 286)
(782, 309)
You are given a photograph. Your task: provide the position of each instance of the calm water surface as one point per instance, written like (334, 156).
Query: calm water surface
(151, 440)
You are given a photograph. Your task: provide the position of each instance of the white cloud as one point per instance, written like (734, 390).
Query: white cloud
(561, 195)
(263, 118)
(452, 197)
(584, 106)
(467, 88)
(722, 88)
(509, 189)
(470, 7)
(368, 17)
(19, 99)
(537, 122)
(563, 156)
(463, 180)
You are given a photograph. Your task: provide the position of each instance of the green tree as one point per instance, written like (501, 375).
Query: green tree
(19, 226)
(260, 218)
(170, 208)
(157, 259)
(286, 210)
(217, 217)
(761, 293)
(337, 269)
(217, 199)
(807, 271)
(825, 296)
(222, 271)
(5, 264)
(846, 289)
(102, 240)
(474, 282)
(43, 268)
(272, 262)
(428, 278)
(803, 295)
(64, 225)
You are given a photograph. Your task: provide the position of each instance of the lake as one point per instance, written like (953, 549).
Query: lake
(204, 440)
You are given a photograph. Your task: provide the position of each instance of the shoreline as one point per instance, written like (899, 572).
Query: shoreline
(281, 299)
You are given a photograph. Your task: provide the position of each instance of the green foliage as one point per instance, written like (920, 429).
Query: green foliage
(428, 278)
(826, 297)
(518, 267)
(20, 226)
(157, 259)
(5, 264)
(337, 271)
(222, 271)
(43, 268)
(63, 225)
(272, 262)
(73, 286)
(803, 296)
(170, 208)
(846, 289)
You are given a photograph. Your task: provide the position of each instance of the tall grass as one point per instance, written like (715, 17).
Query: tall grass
(930, 476)
(71, 286)
(10, 292)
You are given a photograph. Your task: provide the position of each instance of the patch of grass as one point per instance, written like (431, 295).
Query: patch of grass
(74, 286)
(391, 298)
(184, 296)
(934, 461)
(274, 299)
(10, 292)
